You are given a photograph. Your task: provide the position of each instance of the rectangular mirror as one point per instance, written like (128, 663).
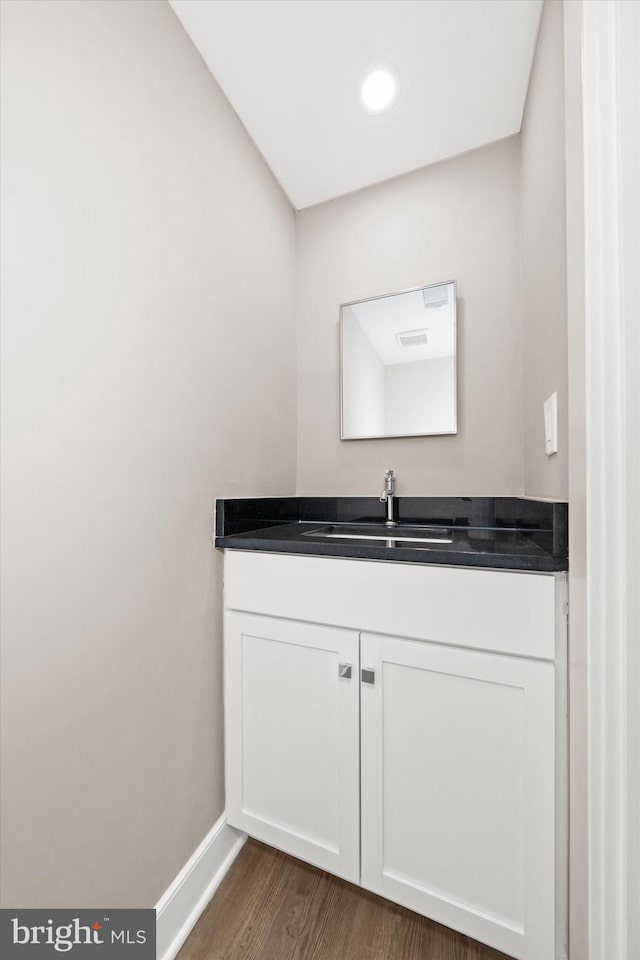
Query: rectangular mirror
(398, 360)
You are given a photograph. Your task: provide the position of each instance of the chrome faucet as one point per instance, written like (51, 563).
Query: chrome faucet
(388, 496)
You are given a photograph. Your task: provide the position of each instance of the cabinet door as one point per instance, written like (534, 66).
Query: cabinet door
(292, 738)
(458, 789)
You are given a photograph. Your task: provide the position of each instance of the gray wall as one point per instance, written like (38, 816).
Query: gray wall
(419, 396)
(544, 260)
(149, 367)
(460, 220)
(363, 389)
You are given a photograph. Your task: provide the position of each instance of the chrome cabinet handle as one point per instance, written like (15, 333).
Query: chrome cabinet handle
(344, 671)
(368, 675)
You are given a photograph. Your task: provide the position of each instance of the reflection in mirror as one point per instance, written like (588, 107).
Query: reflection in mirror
(399, 364)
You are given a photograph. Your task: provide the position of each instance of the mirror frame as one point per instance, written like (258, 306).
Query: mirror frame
(383, 296)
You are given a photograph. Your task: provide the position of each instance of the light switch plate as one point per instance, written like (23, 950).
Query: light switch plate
(551, 425)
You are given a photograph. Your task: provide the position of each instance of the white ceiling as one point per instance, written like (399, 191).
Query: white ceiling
(385, 317)
(291, 70)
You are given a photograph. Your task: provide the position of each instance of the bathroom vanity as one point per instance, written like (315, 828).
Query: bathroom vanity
(396, 709)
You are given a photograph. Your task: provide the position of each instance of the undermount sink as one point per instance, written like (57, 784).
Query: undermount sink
(378, 531)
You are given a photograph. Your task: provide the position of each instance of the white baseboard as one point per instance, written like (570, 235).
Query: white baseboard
(184, 900)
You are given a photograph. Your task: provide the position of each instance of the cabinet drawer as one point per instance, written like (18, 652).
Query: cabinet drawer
(496, 610)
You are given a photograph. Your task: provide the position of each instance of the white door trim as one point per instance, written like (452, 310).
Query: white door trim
(611, 105)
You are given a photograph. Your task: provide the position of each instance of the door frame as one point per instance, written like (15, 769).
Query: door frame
(610, 113)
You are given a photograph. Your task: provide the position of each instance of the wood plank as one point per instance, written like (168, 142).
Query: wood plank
(273, 907)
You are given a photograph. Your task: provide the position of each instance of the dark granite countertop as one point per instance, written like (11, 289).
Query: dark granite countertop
(512, 533)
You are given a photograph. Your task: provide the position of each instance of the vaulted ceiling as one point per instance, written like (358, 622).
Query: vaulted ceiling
(292, 68)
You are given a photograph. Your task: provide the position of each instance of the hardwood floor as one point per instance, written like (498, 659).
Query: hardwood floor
(273, 907)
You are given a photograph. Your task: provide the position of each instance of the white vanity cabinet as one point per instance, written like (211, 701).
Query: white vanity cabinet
(403, 726)
(292, 738)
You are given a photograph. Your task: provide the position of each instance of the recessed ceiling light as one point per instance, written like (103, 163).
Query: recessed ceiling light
(379, 88)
